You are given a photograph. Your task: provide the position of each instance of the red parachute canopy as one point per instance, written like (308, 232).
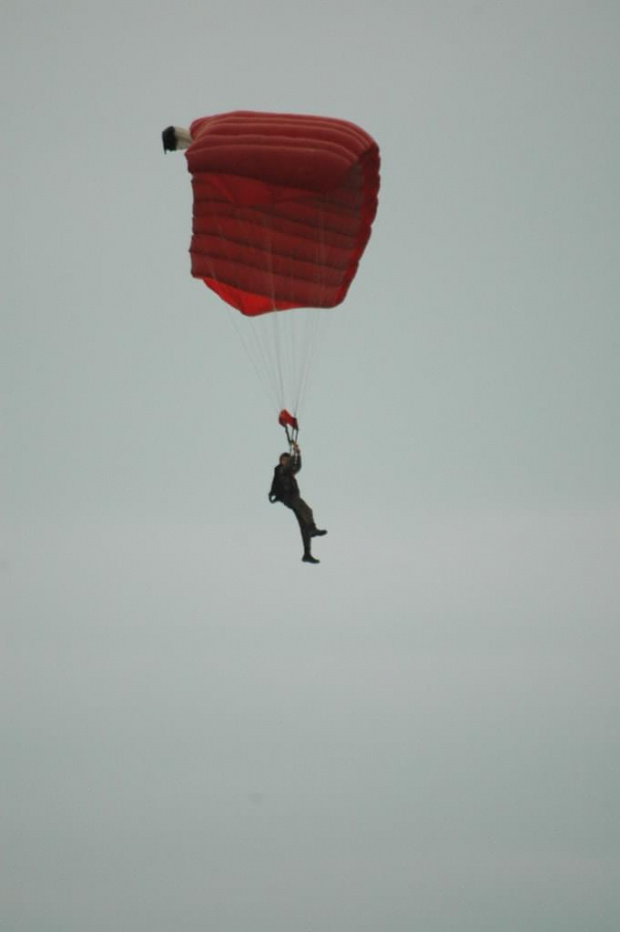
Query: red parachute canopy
(283, 207)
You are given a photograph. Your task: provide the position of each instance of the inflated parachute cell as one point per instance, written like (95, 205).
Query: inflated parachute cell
(283, 207)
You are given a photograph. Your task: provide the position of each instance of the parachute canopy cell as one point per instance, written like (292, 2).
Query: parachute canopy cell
(283, 207)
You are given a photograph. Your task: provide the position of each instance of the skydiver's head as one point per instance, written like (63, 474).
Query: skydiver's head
(284, 458)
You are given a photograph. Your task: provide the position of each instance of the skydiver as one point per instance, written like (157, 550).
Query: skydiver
(284, 489)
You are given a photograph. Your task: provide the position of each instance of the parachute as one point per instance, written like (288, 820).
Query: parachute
(282, 211)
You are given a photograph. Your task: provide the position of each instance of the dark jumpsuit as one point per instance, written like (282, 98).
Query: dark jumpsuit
(284, 489)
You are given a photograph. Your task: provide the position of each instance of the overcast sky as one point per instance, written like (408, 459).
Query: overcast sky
(200, 732)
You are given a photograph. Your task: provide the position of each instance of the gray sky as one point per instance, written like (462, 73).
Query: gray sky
(200, 732)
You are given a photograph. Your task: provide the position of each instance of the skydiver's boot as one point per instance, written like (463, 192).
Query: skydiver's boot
(316, 532)
(308, 558)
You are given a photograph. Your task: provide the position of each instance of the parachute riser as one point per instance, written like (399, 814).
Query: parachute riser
(291, 427)
(291, 435)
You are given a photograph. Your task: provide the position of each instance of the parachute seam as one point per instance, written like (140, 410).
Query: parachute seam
(243, 243)
(337, 240)
(240, 263)
(280, 216)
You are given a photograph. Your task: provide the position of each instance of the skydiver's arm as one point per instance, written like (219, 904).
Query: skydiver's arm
(296, 458)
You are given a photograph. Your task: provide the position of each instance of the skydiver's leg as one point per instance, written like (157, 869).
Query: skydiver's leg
(306, 534)
(305, 526)
(304, 512)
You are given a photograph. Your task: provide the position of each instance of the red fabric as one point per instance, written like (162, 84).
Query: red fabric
(283, 207)
(284, 419)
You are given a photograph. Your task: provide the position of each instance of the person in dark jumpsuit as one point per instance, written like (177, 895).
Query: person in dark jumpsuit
(285, 489)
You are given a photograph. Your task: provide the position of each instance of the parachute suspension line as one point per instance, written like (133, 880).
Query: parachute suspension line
(319, 329)
(267, 325)
(262, 327)
(255, 352)
(275, 361)
(312, 327)
(280, 345)
(256, 333)
(251, 342)
(316, 324)
(287, 331)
